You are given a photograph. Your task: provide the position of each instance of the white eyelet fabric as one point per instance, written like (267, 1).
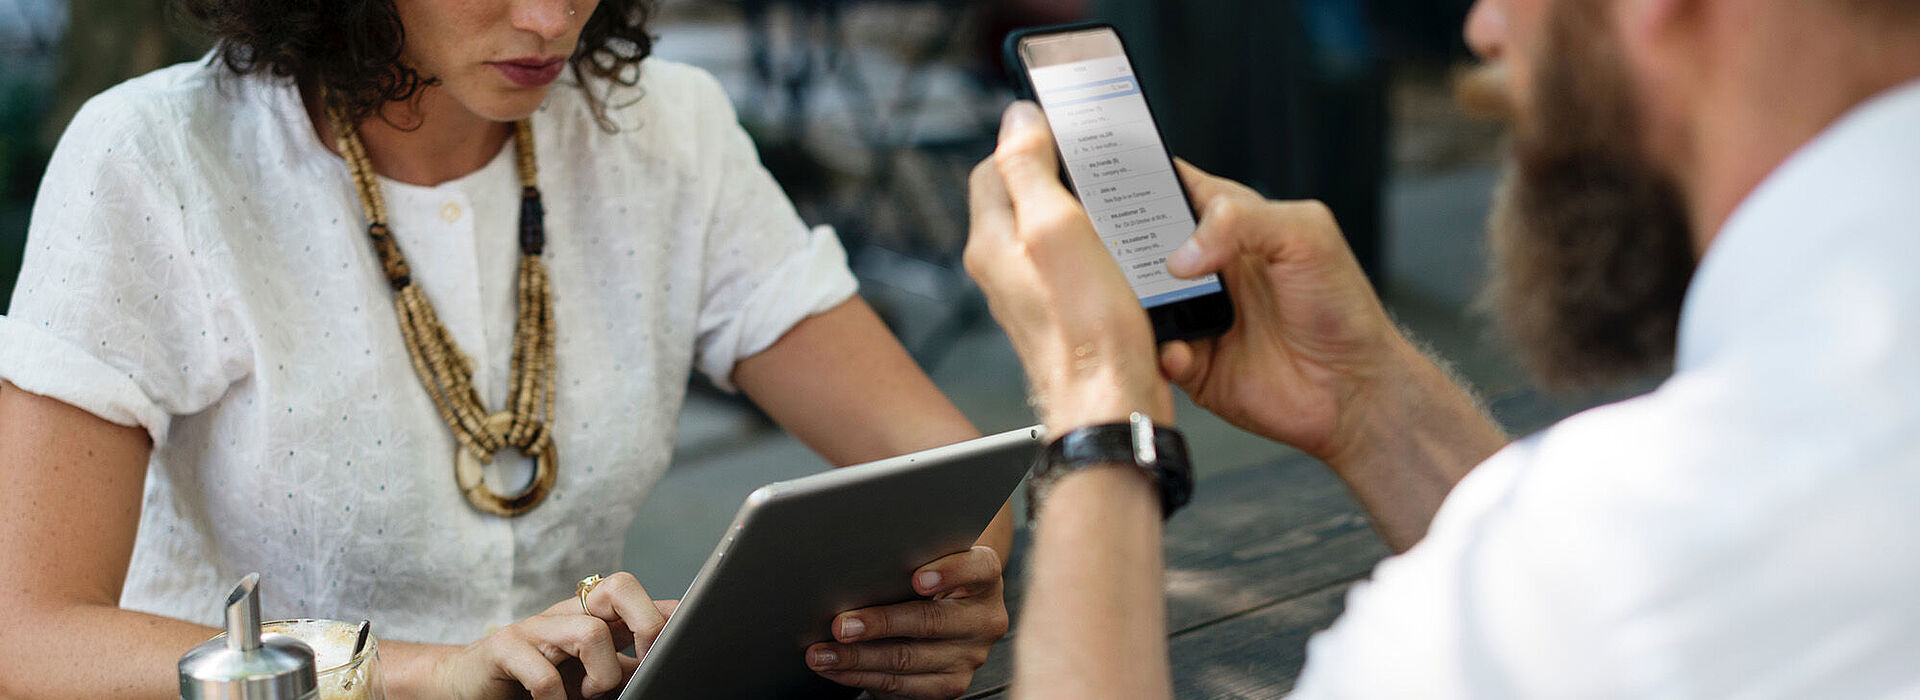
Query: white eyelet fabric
(198, 266)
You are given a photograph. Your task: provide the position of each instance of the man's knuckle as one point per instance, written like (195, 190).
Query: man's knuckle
(1229, 212)
(990, 561)
(1315, 212)
(1055, 222)
(933, 618)
(998, 623)
(972, 257)
(902, 659)
(982, 171)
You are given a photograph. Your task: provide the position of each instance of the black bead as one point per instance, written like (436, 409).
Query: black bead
(533, 232)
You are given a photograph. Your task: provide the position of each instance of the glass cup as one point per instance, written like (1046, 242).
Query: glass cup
(343, 675)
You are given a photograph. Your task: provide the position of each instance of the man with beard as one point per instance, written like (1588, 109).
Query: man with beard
(1728, 187)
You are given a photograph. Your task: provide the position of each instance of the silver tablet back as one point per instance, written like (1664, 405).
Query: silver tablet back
(802, 551)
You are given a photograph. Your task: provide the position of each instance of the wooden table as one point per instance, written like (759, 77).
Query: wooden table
(1259, 562)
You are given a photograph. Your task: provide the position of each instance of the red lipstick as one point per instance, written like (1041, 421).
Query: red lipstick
(530, 72)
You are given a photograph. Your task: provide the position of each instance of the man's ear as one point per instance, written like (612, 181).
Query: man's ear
(1660, 37)
(1644, 24)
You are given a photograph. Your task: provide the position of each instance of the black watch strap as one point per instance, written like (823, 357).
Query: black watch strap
(1159, 451)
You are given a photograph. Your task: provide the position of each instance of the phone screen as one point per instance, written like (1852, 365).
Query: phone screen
(1114, 157)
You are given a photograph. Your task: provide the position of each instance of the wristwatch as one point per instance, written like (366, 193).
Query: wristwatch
(1160, 452)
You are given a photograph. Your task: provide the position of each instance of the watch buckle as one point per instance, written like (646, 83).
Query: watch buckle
(1143, 451)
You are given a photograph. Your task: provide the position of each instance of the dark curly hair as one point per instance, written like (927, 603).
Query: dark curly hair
(352, 48)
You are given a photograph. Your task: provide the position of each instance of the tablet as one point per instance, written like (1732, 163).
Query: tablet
(802, 551)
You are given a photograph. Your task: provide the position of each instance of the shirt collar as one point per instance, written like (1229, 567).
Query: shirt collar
(1848, 182)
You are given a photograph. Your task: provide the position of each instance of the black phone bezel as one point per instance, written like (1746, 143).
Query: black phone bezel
(1199, 317)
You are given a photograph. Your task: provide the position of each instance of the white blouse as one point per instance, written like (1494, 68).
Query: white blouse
(198, 266)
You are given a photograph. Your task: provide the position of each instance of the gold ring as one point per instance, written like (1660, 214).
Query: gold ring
(585, 587)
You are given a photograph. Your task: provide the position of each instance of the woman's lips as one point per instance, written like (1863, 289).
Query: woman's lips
(530, 73)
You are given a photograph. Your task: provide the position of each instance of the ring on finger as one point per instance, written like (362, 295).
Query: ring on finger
(586, 586)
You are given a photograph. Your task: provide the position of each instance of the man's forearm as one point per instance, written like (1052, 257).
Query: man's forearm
(1421, 433)
(1094, 622)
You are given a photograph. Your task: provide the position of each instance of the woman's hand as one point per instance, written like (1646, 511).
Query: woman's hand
(1075, 323)
(562, 653)
(1311, 342)
(925, 648)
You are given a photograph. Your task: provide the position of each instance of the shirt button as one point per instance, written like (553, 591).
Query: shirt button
(450, 212)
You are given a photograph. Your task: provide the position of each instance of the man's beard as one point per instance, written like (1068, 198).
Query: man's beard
(1592, 248)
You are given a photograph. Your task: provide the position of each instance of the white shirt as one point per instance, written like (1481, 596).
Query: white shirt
(198, 266)
(1749, 530)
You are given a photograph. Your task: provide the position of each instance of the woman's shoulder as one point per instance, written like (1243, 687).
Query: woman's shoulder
(152, 116)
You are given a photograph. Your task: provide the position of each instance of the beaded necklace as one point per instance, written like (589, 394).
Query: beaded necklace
(447, 372)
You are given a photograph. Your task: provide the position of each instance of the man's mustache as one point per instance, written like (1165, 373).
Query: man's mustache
(1485, 90)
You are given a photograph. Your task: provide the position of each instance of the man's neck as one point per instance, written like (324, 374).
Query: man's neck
(1776, 102)
(423, 142)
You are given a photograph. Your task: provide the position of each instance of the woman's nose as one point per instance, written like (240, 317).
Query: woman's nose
(550, 19)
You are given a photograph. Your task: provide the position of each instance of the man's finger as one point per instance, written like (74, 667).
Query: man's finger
(1029, 167)
(1231, 227)
(987, 202)
(919, 619)
(968, 573)
(926, 685)
(1204, 187)
(896, 657)
(1179, 361)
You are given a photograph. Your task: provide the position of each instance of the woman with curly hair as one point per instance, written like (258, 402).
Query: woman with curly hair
(395, 301)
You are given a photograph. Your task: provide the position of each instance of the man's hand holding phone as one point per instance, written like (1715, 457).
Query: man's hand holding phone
(1074, 321)
(1313, 342)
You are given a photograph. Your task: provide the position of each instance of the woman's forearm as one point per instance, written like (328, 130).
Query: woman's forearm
(1094, 623)
(92, 651)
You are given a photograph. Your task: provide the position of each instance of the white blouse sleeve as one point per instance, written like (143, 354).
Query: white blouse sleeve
(765, 270)
(112, 312)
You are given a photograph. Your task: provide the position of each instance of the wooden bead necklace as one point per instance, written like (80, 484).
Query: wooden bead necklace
(447, 372)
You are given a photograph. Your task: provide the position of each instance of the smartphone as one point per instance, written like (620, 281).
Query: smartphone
(1113, 157)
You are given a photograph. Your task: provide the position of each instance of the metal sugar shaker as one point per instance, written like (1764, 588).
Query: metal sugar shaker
(244, 665)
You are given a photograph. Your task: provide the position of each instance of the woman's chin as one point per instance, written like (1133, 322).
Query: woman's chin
(508, 105)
